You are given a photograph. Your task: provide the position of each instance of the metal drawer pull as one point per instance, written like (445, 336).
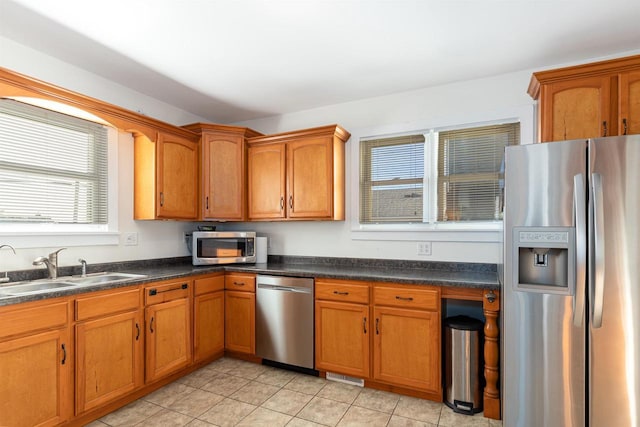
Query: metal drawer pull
(404, 298)
(239, 283)
(364, 325)
(377, 327)
(151, 325)
(64, 354)
(137, 331)
(340, 293)
(154, 291)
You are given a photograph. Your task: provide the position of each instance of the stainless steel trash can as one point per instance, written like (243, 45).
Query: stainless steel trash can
(463, 364)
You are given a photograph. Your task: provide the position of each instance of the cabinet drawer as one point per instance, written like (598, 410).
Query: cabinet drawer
(399, 296)
(342, 291)
(107, 303)
(166, 292)
(21, 321)
(208, 284)
(240, 282)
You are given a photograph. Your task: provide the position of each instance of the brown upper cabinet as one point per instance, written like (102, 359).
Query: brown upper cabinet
(297, 175)
(223, 170)
(166, 176)
(588, 101)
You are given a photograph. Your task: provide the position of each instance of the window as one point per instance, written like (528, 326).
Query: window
(435, 176)
(53, 167)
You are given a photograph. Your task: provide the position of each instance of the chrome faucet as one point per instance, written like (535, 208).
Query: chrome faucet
(84, 267)
(5, 279)
(51, 263)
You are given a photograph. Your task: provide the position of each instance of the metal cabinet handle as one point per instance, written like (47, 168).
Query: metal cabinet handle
(207, 203)
(340, 293)
(604, 128)
(161, 199)
(137, 331)
(64, 355)
(281, 202)
(404, 298)
(377, 326)
(624, 126)
(154, 291)
(151, 325)
(291, 201)
(239, 283)
(364, 325)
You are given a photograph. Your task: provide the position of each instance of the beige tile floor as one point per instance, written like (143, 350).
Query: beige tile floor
(230, 392)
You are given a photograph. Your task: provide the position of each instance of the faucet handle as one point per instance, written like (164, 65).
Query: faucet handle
(53, 256)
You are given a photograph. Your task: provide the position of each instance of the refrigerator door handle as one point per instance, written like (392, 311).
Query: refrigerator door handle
(579, 206)
(598, 232)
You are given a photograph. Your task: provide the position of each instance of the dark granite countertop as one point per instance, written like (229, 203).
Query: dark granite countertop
(468, 275)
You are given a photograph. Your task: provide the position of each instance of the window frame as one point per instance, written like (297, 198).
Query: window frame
(475, 231)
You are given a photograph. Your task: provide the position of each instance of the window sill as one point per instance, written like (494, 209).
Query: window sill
(59, 239)
(485, 232)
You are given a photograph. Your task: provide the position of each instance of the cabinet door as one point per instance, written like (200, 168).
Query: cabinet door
(266, 170)
(37, 386)
(576, 109)
(240, 321)
(629, 98)
(168, 338)
(177, 178)
(109, 359)
(342, 338)
(223, 177)
(406, 348)
(310, 178)
(208, 324)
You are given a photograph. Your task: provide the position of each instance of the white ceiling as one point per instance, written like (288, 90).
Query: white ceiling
(236, 60)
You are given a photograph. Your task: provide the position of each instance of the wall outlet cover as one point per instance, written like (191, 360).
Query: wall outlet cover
(130, 239)
(424, 249)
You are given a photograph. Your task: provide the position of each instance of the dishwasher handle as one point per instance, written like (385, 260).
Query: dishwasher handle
(284, 288)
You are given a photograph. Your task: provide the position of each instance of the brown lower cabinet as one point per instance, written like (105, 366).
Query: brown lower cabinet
(208, 317)
(36, 364)
(240, 313)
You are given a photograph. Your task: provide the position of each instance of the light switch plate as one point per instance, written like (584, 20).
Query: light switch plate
(130, 238)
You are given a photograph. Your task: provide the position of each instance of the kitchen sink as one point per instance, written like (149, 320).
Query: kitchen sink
(33, 287)
(103, 278)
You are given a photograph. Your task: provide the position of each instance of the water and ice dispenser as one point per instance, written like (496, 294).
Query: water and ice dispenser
(544, 259)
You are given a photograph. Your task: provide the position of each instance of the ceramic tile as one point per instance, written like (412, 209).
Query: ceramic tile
(225, 364)
(340, 392)
(196, 403)
(199, 423)
(265, 417)
(277, 377)
(323, 411)
(357, 416)
(287, 401)
(198, 378)
(166, 418)
(495, 423)
(448, 418)
(249, 371)
(225, 384)
(169, 394)
(255, 393)
(418, 409)
(306, 384)
(227, 413)
(96, 423)
(377, 400)
(299, 422)
(397, 421)
(132, 414)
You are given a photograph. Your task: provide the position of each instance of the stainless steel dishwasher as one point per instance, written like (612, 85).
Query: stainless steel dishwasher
(284, 320)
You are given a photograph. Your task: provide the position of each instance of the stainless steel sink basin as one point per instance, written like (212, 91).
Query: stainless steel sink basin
(100, 278)
(33, 287)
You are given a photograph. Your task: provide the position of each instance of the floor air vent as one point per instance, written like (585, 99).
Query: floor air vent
(345, 379)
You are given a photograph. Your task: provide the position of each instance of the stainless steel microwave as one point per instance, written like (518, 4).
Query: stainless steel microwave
(222, 247)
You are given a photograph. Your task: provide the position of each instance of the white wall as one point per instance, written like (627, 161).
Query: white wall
(475, 101)
(156, 239)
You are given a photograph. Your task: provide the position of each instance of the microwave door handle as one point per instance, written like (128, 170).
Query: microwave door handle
(598, 253)
(579, 207)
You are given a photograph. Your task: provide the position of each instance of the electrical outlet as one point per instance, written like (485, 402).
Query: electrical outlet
(424, 248)
(131, 239)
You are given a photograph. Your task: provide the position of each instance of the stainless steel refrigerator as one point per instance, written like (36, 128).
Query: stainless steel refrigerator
(571, 296)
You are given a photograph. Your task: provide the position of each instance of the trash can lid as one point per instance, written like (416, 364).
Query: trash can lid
(465, 323)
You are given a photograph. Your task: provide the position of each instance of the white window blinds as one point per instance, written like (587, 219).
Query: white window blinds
(53, 167)
(471, 172)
